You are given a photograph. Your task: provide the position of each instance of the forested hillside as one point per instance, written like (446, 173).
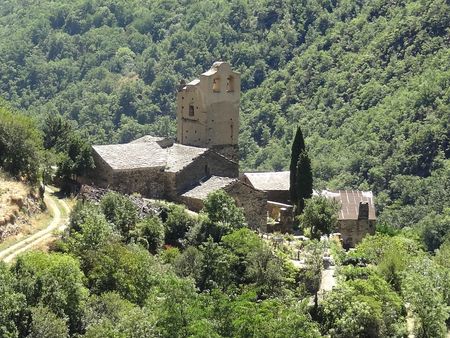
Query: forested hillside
(368, 81)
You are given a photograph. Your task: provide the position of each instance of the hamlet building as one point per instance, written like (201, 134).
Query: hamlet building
(204, 158)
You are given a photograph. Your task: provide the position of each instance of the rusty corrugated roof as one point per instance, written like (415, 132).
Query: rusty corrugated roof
(349, 200)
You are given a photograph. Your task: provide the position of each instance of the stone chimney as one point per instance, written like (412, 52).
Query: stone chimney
(363, 212)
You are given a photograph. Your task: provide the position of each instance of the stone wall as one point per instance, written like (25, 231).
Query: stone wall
(254, 203)
(208, 108)
(194, 204)
(229, 151)
(149, 182)
(101, 175)
(281, 196)
(210, 163)
(353, 231)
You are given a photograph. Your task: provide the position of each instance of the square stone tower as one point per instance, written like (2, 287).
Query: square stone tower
(208, 111)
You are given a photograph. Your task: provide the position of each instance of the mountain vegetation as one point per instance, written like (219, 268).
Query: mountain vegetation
(366, 81)
(113, 274)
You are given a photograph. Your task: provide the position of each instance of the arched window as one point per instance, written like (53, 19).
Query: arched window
(216, 85)
(191, 110)
(230, 84)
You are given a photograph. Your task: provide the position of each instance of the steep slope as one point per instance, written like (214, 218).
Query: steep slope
(367, 81)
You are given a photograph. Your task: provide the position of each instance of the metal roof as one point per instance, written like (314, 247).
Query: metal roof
(349, 200)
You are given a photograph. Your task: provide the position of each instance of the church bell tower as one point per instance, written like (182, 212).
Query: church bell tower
(208, 111)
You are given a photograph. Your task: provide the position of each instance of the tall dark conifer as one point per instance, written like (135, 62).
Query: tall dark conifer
(297, 147)
(304, 183)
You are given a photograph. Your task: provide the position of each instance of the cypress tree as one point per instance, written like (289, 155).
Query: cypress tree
(297, 147)
(304, 183)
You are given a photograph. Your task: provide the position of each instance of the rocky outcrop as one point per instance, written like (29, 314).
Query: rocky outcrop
(16, 210)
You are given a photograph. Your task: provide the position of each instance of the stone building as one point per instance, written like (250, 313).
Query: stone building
(250, 199)
(356, 217)
(275, 184)
(156, 167)
(208, 111)
(204, 158)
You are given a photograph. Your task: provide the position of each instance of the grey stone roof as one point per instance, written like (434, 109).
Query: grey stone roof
(268, 181)
(214, 183)
(148, 152)
(148, 138)
(179, 156)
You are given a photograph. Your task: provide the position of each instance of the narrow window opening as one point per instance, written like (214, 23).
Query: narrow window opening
(216, 85)
(230, 84)
(206, 170)
(191, 110)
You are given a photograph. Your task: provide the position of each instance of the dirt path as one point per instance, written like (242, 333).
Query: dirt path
(58, 223)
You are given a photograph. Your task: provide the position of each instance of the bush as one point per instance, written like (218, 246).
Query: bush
(223, 216)
(177, 223)
(319, 216)
(20, 144)
(121, 212)
(150, 233)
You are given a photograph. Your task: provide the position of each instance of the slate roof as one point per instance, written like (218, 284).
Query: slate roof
(214, 183)
(148, 138)
(179, 156)
(349, 200)
(269, 181)
(148, 152)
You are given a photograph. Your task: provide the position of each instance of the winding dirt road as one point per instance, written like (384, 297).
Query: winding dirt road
(58, 223)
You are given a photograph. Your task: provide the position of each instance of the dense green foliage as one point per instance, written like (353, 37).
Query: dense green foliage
(121, 281)
(421, 279)
(20, 144)
(29, 152)
(367, 81)
(112, 281)
(319, 217)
